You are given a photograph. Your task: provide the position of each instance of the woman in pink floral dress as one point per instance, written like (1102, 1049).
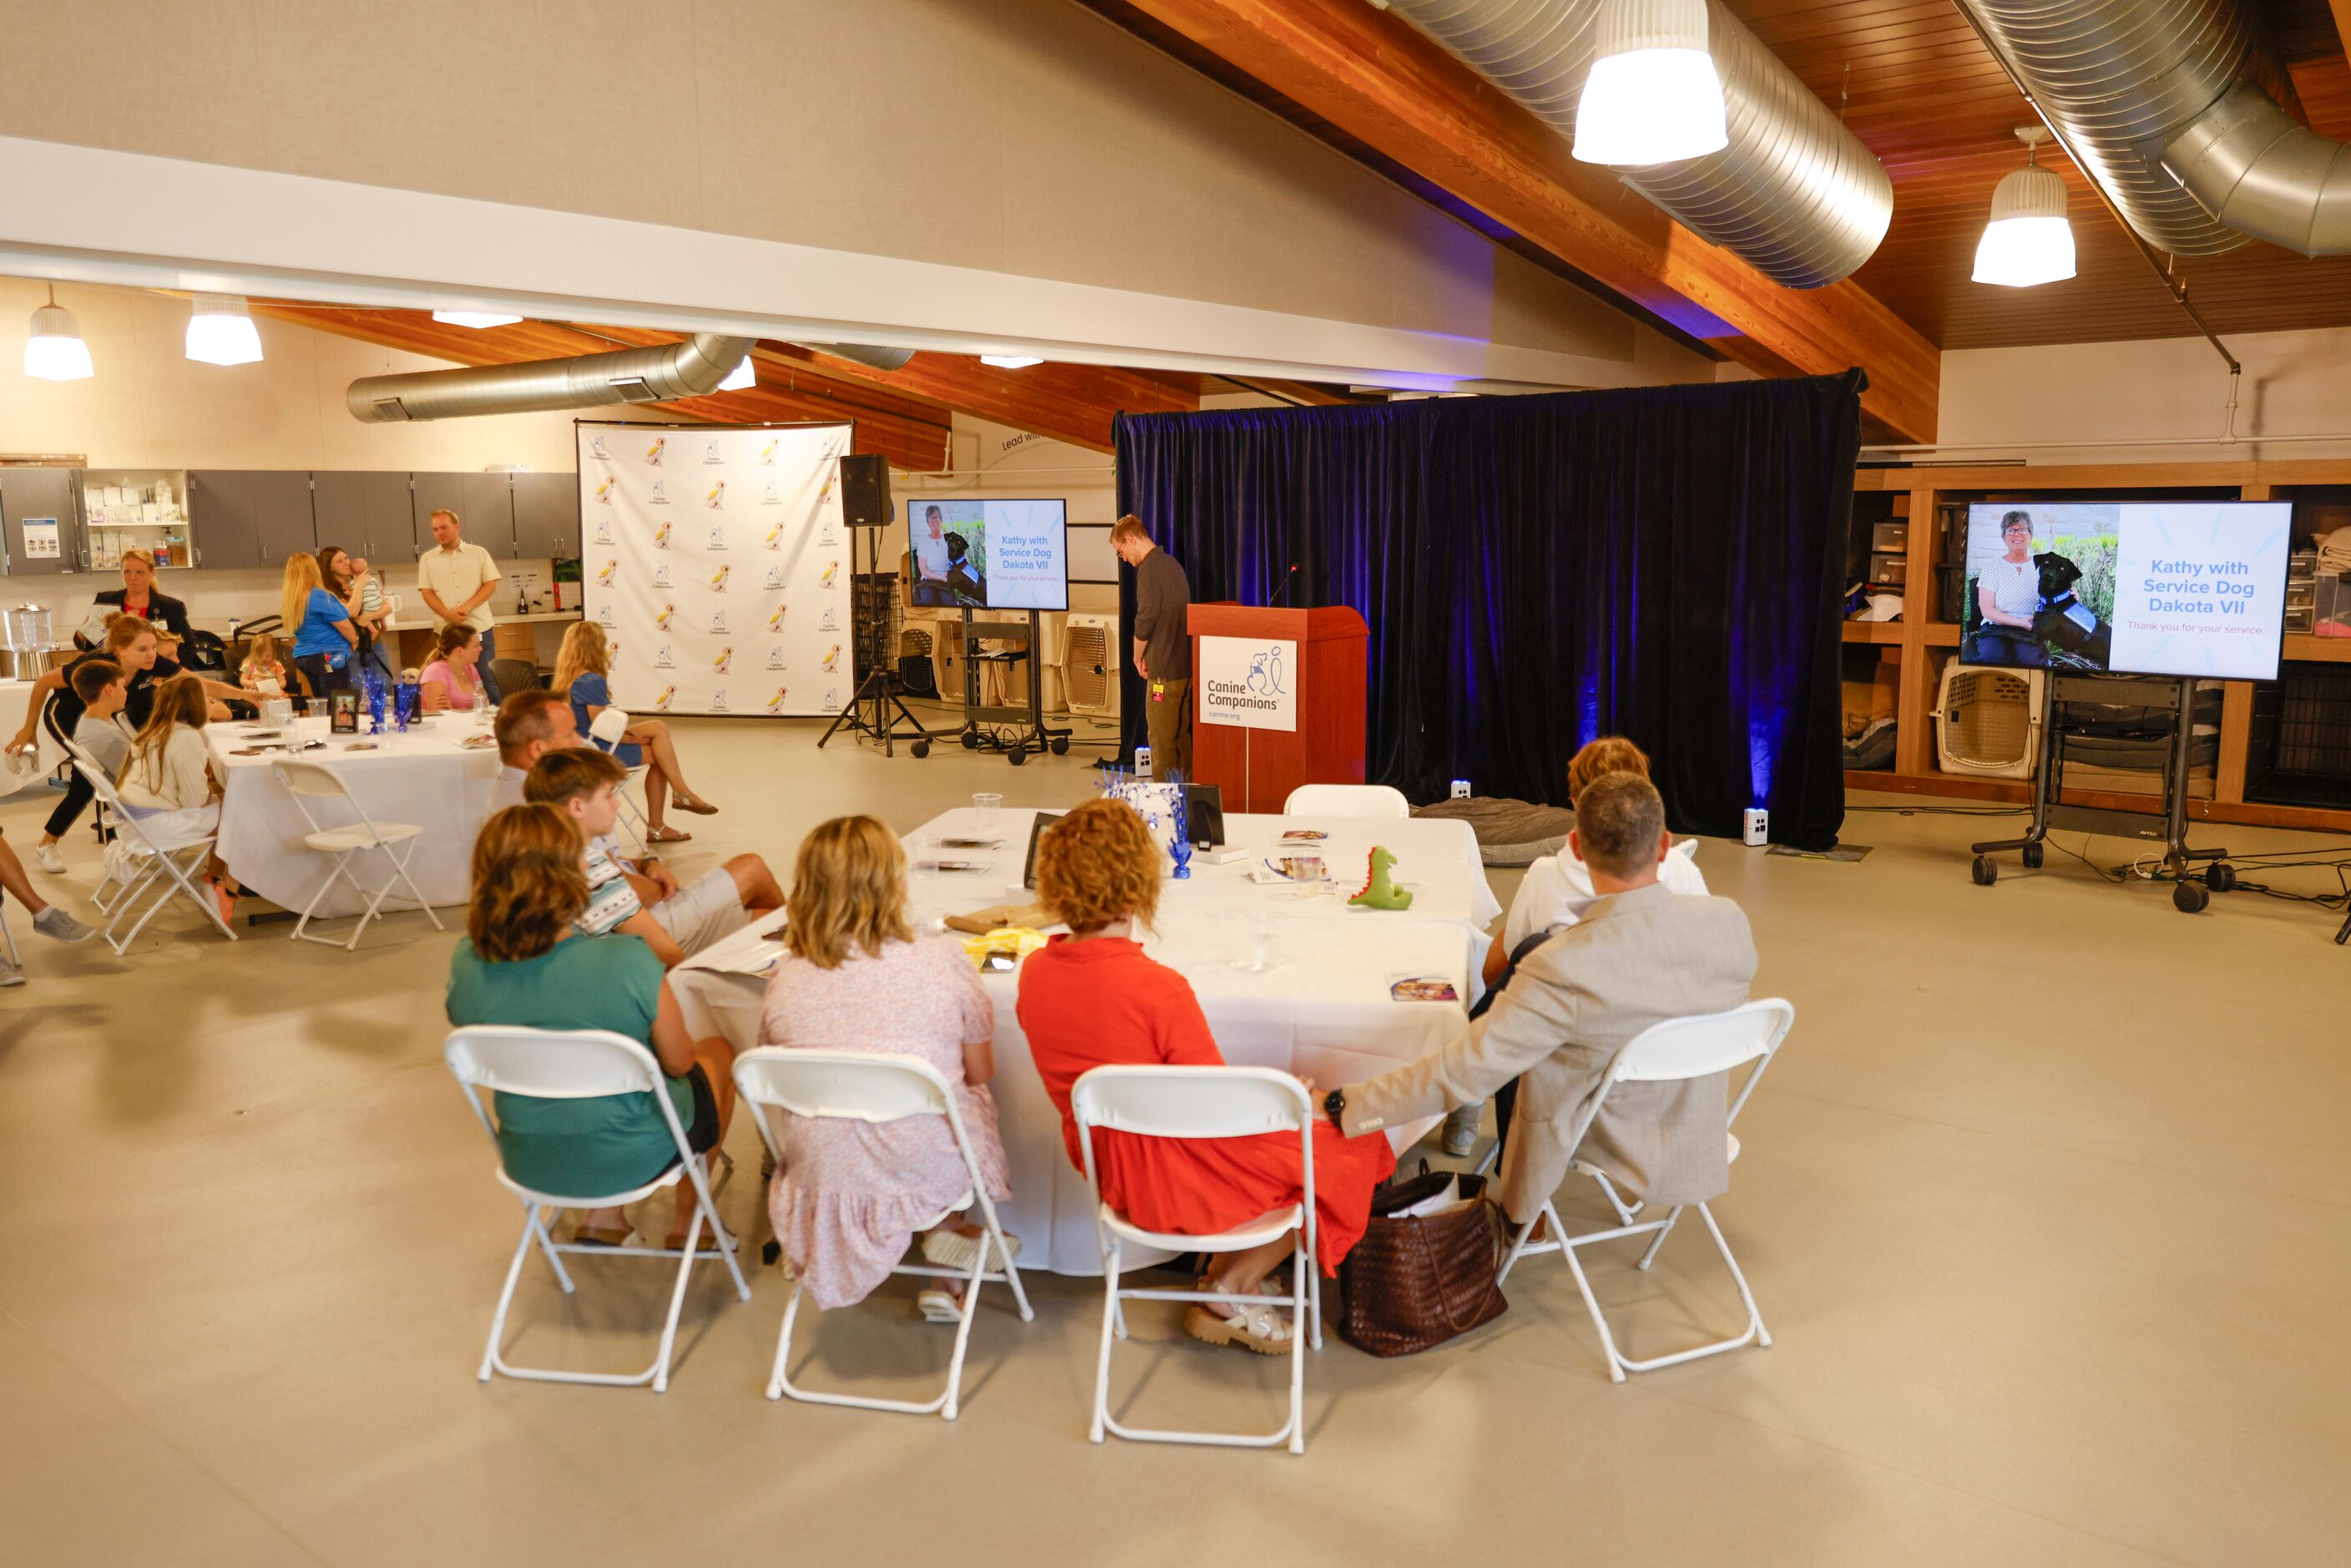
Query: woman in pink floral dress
(849, 1195)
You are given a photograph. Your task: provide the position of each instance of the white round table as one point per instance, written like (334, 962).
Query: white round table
(1324, 1011)
(426, 776)
(15, 698)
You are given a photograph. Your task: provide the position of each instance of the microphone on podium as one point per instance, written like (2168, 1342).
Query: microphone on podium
(1274, 602)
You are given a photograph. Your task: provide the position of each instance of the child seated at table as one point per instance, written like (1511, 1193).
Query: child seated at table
(849, 1195)
(104, 687)
(1090, 999)
(167, 783)
(263, 671)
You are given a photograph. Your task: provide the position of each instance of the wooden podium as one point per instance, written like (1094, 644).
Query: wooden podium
(1256, 768)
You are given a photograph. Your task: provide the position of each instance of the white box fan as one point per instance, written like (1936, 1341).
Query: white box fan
(1988, 721)
(1090, 663)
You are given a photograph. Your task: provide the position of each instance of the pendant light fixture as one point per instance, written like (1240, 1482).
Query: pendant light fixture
(1653, 94)
(220, 332)
(742, 378)
(2028, 240)
(478, 320)
(55, 351)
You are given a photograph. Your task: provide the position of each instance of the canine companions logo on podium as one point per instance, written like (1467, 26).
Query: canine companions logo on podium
(1246, 683)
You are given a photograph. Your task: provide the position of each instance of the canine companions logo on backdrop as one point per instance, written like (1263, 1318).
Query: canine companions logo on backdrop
(662, 621)
(603, 531)
(825, 536)
(718, 579)
(710, 453)
(718, 536)
(718, 622)
(775, 617)
(776, 702)
(661, 702)
(604, 494)
(830, 623)
(718, 700)
(661, 536)
(716, 501)
(660, 497)
(605, 617)
(653, 453)
(595, 449)
(725, 657)
(767, 453)
(832, 699)
(604, 578)
(775, 655)
(661, 575)
(774, 579)
(774, 537)
(831, 571)
(773, 496)
(831, 662)
(663, 659)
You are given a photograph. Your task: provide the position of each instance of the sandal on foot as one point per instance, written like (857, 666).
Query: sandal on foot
(953, 1249)
(1261, 1329)
(665, 835)
(694, 803)
(938, 1305)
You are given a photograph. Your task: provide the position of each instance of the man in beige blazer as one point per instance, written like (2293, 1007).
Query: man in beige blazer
(1640, 955)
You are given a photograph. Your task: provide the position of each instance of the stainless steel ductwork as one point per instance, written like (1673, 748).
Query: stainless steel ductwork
(687, 369)
(2264, 175)
(1794, 194)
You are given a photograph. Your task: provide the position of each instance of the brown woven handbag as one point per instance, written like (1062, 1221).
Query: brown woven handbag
(1413, 1284)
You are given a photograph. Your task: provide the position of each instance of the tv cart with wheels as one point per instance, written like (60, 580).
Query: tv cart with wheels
(2051, 814)
(1019, 733)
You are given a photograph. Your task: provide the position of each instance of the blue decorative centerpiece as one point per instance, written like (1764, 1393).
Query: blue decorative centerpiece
(407, 699)
(371, 692)
(1180, 846)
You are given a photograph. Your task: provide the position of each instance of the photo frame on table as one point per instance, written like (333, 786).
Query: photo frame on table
(343, 712)
(1036, 827)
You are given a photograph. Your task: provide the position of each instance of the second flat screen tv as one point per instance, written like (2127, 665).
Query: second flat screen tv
(990, 555)
(2141, 588)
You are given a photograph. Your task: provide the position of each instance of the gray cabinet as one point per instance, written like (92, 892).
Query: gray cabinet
(547, 516)
(368, 514)
(43, 496)
(250, 516)
(484, 503)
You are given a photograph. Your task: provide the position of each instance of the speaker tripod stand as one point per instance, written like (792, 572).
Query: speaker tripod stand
(873, 708)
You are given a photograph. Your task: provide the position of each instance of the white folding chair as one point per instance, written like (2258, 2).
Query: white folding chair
(159, 857)
(308, 781)
(8, 938)
(859, 1086)
(1164, 1101)
(606, 730)
(1667, 1052)
(109, 887)
(582, 1064)
(1377, 801)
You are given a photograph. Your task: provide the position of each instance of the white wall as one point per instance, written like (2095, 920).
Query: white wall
(149, 406)
(2169, 388)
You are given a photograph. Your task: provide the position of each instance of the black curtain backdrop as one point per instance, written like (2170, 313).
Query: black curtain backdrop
(1663, 563)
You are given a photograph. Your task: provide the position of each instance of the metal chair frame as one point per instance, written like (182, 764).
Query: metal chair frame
(606, 730)
(302, 780)
(1377, 802)
(1672, 1050)
(866, 1087)
(157, 863)
(592, 1063)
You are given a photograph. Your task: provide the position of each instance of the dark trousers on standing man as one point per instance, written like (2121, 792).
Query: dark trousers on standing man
(1168, 714)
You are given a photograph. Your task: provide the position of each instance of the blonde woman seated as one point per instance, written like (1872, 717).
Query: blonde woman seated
(454, 678)
(167, 782)
(582, 672)
(849, 1195)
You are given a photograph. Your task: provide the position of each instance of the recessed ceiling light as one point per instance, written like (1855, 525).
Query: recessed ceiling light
(742, 376)
(220, 332)
(1653, 94)
(55, 351)
(2028, 240)
(1010, 361)
(477, 319)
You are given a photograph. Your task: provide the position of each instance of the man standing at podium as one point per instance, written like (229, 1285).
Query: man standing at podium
(1163, 644)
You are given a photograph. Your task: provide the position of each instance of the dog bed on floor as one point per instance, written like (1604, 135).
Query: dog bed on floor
(1509, 833)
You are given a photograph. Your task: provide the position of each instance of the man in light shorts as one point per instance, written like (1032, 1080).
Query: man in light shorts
(688, 917)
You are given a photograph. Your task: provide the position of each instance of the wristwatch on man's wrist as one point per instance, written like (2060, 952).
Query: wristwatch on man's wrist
(1334, 1105)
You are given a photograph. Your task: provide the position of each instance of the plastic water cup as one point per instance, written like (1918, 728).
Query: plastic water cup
(984, 807)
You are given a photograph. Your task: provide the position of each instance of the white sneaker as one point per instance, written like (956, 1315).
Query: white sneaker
(9, 973)
(1461, 1128)
(59, 926)
(46, 856)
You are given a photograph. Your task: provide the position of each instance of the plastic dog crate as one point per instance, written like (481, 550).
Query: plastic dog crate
(1987, 722)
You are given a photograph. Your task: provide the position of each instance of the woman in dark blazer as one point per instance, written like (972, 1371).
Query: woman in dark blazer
(137, 596)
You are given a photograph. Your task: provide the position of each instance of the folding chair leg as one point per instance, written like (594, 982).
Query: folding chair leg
(1650, 1256)
(1591, 1304)
(1113, 1325)
(1300, 1282)
(505, 1294)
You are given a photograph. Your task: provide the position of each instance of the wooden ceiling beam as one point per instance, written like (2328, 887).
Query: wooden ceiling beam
(1377, 78)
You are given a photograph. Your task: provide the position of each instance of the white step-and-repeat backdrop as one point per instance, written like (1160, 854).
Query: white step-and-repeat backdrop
(715, 560)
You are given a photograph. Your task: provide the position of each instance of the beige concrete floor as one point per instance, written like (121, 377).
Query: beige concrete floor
(2046, 1204)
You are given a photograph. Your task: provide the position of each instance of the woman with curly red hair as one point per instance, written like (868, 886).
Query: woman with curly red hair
(1092, 1000)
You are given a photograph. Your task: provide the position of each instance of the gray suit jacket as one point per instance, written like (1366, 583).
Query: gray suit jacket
(1637, 959)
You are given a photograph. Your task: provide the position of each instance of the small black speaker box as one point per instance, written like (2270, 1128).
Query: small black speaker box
(865, 490)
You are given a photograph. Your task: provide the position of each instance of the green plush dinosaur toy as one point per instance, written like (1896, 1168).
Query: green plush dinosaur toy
(1379, 893)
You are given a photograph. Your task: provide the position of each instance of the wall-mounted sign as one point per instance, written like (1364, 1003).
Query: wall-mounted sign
(41, 540)
(1247, 682)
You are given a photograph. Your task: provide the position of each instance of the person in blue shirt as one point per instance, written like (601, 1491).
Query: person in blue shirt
(582, 671)
(322, 624)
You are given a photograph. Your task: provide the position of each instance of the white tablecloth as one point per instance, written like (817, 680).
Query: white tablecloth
(15, 696)
(425, 778)
(1324, 1011)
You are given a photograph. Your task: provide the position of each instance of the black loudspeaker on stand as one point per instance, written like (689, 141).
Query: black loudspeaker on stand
(875, 709)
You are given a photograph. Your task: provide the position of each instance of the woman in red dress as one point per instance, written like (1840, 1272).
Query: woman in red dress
(1091, 999)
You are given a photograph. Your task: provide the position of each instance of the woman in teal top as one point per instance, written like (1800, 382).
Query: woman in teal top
(523, 962)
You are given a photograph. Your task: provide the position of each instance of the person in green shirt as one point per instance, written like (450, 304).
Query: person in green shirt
(524, 962)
